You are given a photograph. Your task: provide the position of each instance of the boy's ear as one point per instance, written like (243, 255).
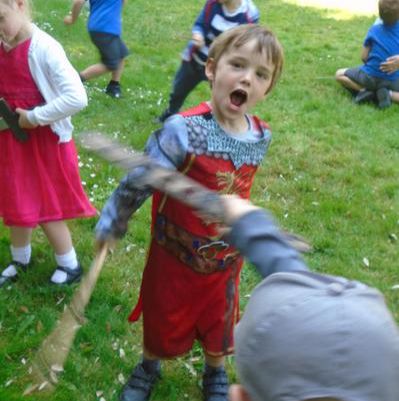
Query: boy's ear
(210, 69)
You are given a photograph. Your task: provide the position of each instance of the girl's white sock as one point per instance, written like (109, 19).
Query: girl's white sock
(69, 260)
(21, 255)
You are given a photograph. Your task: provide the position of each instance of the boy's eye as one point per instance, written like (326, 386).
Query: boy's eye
(262, 74)
(236, 64)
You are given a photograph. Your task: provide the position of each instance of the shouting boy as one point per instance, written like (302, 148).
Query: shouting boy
(190, 283)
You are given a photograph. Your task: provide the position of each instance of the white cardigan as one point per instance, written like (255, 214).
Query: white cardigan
(58, 82)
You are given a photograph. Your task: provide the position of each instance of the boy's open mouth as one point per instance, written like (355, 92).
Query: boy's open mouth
(238, 97)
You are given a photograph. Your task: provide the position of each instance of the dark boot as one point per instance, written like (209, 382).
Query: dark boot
(215, 384)
(364, 96)
(384, 98)
(140, 384)
(113, 89)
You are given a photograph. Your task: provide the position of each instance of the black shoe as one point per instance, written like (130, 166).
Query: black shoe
(383, 98)
(10, 279)
(140, 384)
(72, 275)
(114, 90)
(364, 96)
(215, 384)
(167, 113)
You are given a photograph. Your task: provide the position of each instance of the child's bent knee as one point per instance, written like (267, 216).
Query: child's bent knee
(340, 74)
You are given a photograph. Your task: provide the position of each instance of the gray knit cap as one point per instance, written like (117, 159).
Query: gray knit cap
(305, 335)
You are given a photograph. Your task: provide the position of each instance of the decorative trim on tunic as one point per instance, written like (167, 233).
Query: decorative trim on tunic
(207, 137)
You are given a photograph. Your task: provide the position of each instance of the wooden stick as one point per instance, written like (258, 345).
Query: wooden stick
(50, 359)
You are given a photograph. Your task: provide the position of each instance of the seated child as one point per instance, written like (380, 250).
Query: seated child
(190, 269)
(382, 41)
(216, 17)
(307, 336)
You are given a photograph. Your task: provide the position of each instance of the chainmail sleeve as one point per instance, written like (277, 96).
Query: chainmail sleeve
(168, 148)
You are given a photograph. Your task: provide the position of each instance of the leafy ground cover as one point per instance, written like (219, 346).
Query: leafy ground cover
(331, 175)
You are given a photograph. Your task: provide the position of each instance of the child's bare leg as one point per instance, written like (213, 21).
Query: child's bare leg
(395, 96)
(116, 74)
(214, 361)
(345, 81)
(114, 88)
(59, 236)
(94, 71)
(20, 236)
(215, 383)
(21, 250)
(148, 355)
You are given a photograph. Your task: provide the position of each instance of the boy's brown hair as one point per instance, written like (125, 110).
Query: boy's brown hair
(267, 43)
(389, 11)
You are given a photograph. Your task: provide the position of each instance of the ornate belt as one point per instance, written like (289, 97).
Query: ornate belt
(199, 253)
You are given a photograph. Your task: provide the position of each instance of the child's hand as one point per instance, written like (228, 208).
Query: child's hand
(235, 207)
(23, 119)
(198, 40)
(68, 19)
(390, 65)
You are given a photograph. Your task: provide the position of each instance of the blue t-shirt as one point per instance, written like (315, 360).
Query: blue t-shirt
(383, 41)
(105, 16)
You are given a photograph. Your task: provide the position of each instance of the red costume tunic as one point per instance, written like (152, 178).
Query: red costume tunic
(190, 282)
(39, 178)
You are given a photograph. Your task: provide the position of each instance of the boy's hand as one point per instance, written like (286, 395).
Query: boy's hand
(68, 19)
(390, 65)
(23, 119)
(198, 40)
(235, 207)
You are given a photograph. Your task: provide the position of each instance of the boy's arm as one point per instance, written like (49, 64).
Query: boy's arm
(368, 42)
(255, 235)
(365, 53)
(167, 147)
(198, 30)
(75, 11)
(253, 14)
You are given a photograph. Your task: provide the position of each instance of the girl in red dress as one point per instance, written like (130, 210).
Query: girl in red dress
(39, 178)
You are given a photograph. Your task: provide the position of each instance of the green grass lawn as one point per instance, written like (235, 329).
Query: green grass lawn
(331, 175)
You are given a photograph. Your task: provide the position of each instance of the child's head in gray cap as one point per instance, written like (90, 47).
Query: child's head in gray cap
(306, 336)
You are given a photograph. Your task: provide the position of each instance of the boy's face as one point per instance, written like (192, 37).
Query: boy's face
(239, 80)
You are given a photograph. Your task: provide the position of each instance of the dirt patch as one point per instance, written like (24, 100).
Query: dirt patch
(354, 7)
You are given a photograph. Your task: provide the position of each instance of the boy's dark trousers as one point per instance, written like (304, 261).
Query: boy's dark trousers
(189, 75)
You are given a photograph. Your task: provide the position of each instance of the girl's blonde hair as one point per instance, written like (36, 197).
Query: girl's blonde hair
(28, 8)
(266, 42)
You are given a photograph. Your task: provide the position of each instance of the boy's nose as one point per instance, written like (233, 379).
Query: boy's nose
(247, 77)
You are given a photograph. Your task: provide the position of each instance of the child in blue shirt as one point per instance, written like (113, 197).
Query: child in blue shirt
(105, 28)
(216, 17)
(382, 41)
